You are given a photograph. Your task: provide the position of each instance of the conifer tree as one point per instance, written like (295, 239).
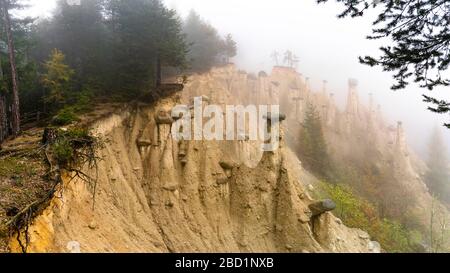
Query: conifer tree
(313, 148)
(230, 48)
(6, 6)
(145, 36)
(206, 46)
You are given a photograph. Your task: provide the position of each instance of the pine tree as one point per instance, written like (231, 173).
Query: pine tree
(313, 148)
(206, 46)
(3, 107)
(288, 58)
(6, 6)
(171, 49)
(16, 67)
(145, 36)
(114, 46)
(275, 57)
(438, 175)
(3, 117)
(230, 48)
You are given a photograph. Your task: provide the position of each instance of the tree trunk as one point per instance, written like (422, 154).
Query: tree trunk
(3, 119)
(158, 72)
(15, 115)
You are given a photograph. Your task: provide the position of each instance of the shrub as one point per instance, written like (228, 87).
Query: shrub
(63, 151)
(73, 146)
(357, 212)
(81, 104)
(84, 101)
(64, 117)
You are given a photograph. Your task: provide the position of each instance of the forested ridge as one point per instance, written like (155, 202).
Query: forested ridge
(111, 50)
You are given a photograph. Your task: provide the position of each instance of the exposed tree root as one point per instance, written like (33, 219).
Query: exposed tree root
(84, 155)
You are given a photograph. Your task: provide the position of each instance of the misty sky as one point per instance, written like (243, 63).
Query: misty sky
(327, 47)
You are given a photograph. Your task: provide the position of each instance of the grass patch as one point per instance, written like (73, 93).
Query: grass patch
(15, 167)
(357, 212)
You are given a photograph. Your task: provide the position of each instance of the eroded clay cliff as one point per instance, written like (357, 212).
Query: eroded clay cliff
(156, 194)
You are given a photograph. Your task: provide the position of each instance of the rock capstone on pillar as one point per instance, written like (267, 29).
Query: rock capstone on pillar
(324, 88)
(321, 207)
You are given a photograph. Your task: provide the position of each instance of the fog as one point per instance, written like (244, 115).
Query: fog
(327, 47)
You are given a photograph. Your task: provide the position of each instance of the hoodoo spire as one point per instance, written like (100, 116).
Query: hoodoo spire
(372, 115)
(331, 117)
(400, 141)
(307, 88)
(352, 99)
(324, 88)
